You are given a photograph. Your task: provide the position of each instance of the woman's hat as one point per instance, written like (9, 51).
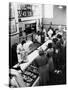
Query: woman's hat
(41, 52)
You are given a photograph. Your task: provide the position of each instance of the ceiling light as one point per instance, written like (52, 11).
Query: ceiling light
(60, 7)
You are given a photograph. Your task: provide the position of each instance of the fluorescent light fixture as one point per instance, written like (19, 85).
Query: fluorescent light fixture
(60, 7)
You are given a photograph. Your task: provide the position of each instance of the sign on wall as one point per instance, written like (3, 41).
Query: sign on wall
(25, 11)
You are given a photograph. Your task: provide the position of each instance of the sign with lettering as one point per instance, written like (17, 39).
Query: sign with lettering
(25, 11)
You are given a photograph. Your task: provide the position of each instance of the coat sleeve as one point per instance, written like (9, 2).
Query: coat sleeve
(51, 65)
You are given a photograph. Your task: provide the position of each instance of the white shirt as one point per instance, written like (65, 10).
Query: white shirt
(27, 44)
(20, 49)
(38, 38)
(50, 32)
(44, 30)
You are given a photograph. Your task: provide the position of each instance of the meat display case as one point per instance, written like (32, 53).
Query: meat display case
(31, 76)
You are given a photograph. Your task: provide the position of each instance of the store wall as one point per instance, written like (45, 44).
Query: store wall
(59, 16)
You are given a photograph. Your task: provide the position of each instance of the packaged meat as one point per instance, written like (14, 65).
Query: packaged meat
(27, 72)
